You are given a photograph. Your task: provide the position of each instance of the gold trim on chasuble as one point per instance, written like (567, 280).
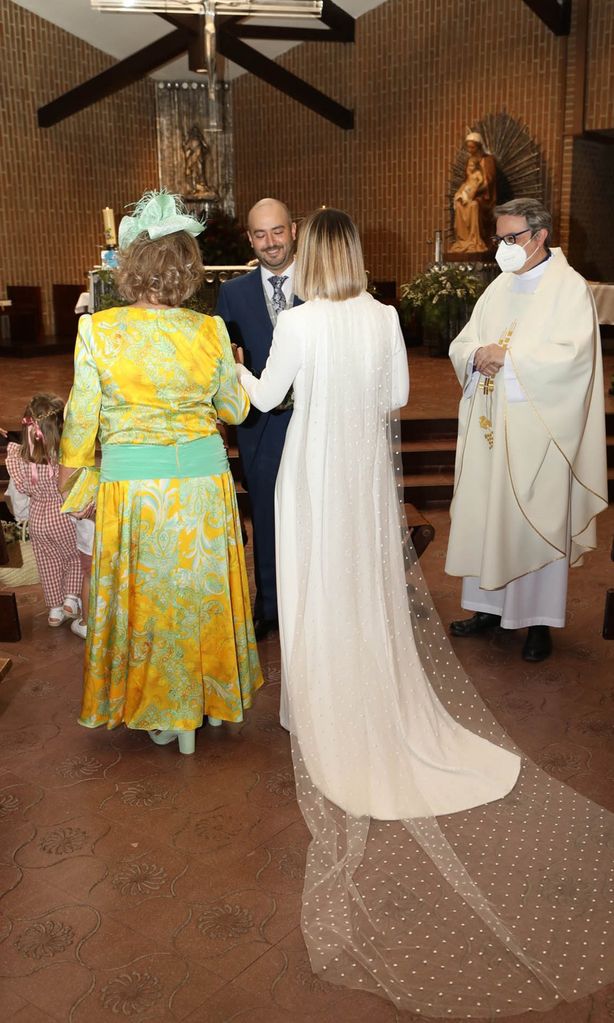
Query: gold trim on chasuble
(487, 386)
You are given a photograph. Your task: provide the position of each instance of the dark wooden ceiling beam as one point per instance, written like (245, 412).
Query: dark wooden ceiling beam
(187, 27)
(287, 33)
(341, 28)
(190, 22)
(556, 15)
(277, 76)
(339, 20)
(125, 72)
(269, 71)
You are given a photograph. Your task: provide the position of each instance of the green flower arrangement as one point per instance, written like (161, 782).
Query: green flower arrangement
(444, 293)
(107, 295)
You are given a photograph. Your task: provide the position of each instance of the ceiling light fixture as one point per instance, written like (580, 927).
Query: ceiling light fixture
(239, 8)
(149, 6)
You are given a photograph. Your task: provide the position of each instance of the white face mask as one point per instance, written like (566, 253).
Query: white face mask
(512, 258)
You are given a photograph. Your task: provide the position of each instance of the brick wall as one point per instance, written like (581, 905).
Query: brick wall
(55, 181)
(600, 86)
(419, 72)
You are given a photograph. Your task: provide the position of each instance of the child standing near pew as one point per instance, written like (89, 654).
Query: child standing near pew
(33, 467)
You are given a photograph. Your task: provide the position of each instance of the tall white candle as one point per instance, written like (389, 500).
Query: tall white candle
(438, 250)
(108, 218)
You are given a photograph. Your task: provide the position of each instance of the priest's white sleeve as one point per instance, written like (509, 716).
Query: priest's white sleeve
(463, 349)
(472, 376)
(282, 365)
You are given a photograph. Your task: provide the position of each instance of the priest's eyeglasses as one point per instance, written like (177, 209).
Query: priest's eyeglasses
(508, 239)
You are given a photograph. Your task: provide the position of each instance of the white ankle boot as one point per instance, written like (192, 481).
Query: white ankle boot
(187, 740)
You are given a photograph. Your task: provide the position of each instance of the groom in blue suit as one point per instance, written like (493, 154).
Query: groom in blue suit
(249, 306)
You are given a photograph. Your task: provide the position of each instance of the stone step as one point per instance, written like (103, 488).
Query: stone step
(429, 455)
(429, 489)
(431, 429)
(49, 345)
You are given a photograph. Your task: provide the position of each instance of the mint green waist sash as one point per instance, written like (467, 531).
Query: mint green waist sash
(203, 457)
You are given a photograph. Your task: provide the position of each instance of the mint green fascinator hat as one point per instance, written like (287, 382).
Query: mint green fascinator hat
(158, 213)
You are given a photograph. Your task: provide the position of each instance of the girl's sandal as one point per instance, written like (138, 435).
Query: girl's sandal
(56, 617)
(72, 607)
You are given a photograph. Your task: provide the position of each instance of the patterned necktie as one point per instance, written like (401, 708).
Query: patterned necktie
(279, 299)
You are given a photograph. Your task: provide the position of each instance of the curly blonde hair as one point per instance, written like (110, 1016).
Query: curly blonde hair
(44, 415)
(166, 270)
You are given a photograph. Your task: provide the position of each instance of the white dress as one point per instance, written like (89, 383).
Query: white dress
(345, 628)
(418, 863)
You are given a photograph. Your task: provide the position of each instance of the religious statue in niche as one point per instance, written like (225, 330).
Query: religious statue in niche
(195, 153)
(475, 199)
(498, 161)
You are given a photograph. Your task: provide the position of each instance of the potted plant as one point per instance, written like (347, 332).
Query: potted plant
(443, 296)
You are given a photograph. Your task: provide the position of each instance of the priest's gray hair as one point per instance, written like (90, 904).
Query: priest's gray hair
(536, 215)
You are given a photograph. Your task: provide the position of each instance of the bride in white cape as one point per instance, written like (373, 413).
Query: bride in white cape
(445, 871)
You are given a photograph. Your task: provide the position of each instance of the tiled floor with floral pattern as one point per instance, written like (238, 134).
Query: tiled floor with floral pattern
(138, 884)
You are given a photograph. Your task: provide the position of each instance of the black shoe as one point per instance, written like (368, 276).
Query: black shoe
(264, 626)
(538, 644)
(479, 622)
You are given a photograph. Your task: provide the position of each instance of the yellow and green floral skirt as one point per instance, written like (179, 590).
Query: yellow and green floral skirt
(170, 635)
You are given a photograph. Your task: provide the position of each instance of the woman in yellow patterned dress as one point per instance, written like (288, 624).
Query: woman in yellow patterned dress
(170, 636)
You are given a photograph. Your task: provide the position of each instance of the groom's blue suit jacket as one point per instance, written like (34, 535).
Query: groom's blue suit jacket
(242, 306)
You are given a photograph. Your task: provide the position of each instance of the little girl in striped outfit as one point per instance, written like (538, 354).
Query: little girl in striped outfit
(33, 467)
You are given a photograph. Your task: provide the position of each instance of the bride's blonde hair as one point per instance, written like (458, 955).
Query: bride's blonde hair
(329, 261)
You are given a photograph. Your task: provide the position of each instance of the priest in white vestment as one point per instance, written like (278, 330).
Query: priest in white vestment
(530, 473)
